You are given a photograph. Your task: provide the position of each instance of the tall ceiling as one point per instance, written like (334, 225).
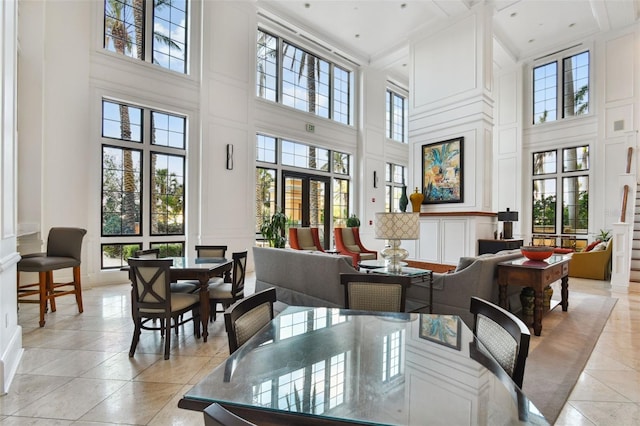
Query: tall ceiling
(377, 31)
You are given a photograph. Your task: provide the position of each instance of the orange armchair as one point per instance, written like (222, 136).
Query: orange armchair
(348, 243)
(305, 239)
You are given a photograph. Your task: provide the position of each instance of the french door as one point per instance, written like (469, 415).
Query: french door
(307, 203)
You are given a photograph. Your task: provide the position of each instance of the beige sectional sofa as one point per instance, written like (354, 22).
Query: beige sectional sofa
(474, 276)
(313, 279)
(303, 278)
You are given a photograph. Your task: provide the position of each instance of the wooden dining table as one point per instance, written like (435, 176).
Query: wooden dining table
(200, 269)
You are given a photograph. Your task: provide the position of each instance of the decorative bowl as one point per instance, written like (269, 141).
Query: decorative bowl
(536, 252)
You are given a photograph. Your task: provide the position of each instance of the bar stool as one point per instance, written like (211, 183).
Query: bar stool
(64, 248)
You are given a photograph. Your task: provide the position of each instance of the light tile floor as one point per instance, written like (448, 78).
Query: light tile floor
(76, 370)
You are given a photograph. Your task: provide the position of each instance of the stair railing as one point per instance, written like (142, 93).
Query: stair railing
(625, 193)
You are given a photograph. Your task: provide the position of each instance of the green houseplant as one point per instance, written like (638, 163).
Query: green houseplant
(273, 228)
(353, 221)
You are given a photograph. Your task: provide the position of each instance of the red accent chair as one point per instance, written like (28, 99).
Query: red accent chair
(305, 239)
(348, 243)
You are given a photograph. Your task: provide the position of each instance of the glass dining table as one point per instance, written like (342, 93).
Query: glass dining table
(335, 366)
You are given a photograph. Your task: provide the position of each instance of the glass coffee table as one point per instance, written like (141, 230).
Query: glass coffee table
(422, 276)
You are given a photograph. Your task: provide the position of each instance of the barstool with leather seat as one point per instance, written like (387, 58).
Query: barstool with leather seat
(64, 248)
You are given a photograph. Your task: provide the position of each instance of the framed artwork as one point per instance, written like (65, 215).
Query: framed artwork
(442, 329)
(442, 172)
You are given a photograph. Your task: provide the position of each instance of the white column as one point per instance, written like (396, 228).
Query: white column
(10, 332)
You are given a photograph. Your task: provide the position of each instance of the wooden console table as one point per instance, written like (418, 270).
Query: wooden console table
(494, 246)
(538, 275)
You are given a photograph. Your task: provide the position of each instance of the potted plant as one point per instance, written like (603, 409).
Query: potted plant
(603, 235)
(273, 228)
(353, 221)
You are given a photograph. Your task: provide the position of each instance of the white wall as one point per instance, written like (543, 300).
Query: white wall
(452, 96)
(58, 117)
(10, 331)
(69, 73)
(614, 100)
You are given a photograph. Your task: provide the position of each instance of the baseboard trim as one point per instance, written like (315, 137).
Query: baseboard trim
(10, 360)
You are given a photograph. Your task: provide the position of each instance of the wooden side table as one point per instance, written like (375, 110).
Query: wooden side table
(538, 275)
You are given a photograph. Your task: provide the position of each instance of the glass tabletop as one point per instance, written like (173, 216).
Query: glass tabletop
(371, 368)
(199, 263)
(404, 271)
(377, 263)
(196, 262)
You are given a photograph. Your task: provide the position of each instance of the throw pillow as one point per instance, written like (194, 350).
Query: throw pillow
(601, 246)
(560, 250)
(591, 246)
(464, 262)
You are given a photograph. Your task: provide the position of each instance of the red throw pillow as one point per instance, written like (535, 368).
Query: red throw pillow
(559, 250)
(591, 246)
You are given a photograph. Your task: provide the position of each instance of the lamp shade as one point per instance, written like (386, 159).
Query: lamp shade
(397, 226)
(508, 216)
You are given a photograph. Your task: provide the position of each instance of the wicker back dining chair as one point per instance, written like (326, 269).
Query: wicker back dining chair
(152, 299)
(375, 292)
(224, 293)
(64, 249)
(246, 317)
(503, 335)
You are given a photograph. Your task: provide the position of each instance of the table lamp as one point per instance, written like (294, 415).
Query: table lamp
(508, 218)
(395, 227)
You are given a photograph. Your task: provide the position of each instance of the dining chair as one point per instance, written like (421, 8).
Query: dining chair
(64, 250)
(305, 239)
(375, 292)
(216, 415)
(225, 293)
(151, 298)
(182, 286)
(211, 251)
(348, 243)
(503, 335)
(246, 317)
(153, 253)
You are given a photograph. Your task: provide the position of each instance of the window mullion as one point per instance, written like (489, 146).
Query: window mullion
(145, 214)
(148, 31)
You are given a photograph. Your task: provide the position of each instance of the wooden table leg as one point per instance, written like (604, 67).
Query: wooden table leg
(537, 311)
(565, 293)
(204, 305)
(502, 296)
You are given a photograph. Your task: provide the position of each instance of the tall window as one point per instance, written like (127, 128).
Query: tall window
(572, 90)
(395, 177)
(560, 178)
(299, 79)
(143, 170)
(396, 116)
(128, 23)
(301, 168)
